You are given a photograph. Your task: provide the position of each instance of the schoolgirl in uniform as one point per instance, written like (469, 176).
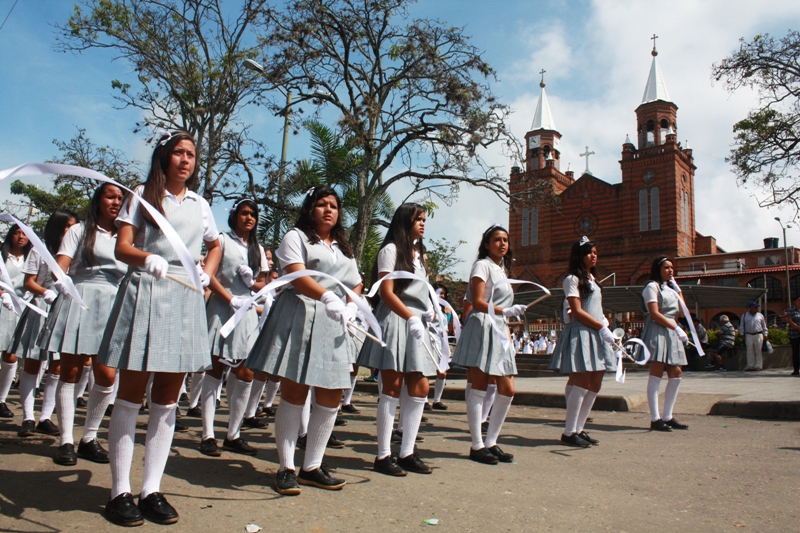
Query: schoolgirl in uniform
(439, 384)
(15, 250)
(157, 325)
(480, 349)
(243, 268)
(404, 312)
(584, 349)
(87, 255)
(665, 339)
(304, 341)
(40, 282)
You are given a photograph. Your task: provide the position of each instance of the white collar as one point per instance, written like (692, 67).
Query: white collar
(188, 195)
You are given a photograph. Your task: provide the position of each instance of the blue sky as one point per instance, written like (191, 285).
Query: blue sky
(597, 57)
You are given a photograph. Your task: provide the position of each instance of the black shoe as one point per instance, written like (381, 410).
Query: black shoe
(123, 512)
(260, 413)
(426, 407)
(412, 463)
(269, 411)
(194, 412)
(423, 419)
(180, 428)
(92, 451)
(340, 421)
(585, 436)
(574, 440)
(388, 466)
(209, 447)
(439, 406)
(674, 424)
(65, 456)
(27, 429)
(218, 404)
(795, 373)
(301, 441)
(320, 478)
(184, 398)
(178, 412)
(659, 425)
(109, 410)
(156, 509)
(350, 409)
(37, 393)
(254, 423)
(47, 427)
(502, 456)
(239, 446)
(333, 442)
(589, 420)
(5, 412)
(483, 456)
(286, 483)
(484, 427)
(80, 402)
(15, 385)
(397, 437)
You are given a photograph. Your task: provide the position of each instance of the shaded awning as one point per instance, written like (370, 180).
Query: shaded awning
(626, 299)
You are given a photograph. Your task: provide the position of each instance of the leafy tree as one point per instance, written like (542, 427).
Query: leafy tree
(442, 258)
(412, 94)
(767, 142)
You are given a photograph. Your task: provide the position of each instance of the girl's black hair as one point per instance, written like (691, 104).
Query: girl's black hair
(54, 229)
(253, 250)
(399, 233)
(483, 248)
(91, 217)
(156, 183)
(6, 248)
(577, 268)
(655, 268)
(305, 220)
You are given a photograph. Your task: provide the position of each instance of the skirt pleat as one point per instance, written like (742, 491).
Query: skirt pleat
(480, 347)
(30, 323)
(580, 349)
(240, 341)
(663, 343)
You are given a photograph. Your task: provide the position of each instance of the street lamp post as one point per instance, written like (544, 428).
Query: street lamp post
(786, 261)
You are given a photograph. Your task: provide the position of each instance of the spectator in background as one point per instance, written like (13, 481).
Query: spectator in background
(753, 328)
(726, 337)
(793, 331)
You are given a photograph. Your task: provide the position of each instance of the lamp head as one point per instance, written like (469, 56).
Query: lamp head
(253, 65)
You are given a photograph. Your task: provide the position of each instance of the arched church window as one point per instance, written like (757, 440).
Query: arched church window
(664, 124)
(651, 126)
(655, 213)
(642, 209)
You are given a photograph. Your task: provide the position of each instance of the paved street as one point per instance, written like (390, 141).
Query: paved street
(722, 474)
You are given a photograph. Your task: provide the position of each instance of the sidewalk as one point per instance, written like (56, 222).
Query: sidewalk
(769, 394)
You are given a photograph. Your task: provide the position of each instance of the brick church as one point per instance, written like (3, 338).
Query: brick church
(651, 213)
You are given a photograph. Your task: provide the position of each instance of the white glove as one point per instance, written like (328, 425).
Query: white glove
(204, 279)
(50, 296)
(605, 321)
(156, 266)
(27, 296)
(61, 287)
(514, 310)
(429, 315)
(8, 301)
(681, 335)
(607, 336)
(416, 328)
(334, 306)
(246, 273)
(351, 312)
(671, 283)
(238, 302)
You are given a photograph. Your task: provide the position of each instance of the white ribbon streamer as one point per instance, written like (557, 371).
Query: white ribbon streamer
(268, 301)
(6, 279)
(20, 301)
(688, 316)
(620, 355)
(41, 169)
(47, 257)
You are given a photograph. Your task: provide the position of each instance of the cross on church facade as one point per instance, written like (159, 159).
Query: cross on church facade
(542, 73)
(653, 38)
(586, 154)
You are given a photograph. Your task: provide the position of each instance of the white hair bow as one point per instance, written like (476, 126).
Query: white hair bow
(584, 240)
(164, 133)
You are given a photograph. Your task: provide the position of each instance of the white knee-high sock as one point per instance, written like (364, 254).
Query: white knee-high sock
(411, 413)
(121, 431)
(65, 399)
(573, 409)
(653, 383)
(183, 388)
(209, 405)
(7, 371)
(488, 401)
(387, 407)
(348, 393)
(499, 412)
(90, 372)
(149, 391)
(40, 375)
(160, 429)
(238, 404)
(27, 382)
(80, 387)
(670, 395)
(380, 384)
(116, 389)
(49, 397)
(99, 398)
(287, 426)
(586, 408)
(438, 389)
(567, 390)
(403, 401)
(197, 389)
(304, 416)
(467, 390)
(256, 390)
(320, 426)
(272, 390)
(474, 415)
(221, 382)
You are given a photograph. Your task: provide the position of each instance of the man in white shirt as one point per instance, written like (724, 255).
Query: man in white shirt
(753, 328)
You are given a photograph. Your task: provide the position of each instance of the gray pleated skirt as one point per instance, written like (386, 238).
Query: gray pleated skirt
(580, 349)
(663, 343)
(480, 346)
(26, 333)
(403, 353)
(238, 344)
(299, 342)
(8, 323)
(69, 328)
(156, 326)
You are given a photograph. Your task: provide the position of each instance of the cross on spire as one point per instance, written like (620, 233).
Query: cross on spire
(541, 83)
(586, 154)
(653, 38)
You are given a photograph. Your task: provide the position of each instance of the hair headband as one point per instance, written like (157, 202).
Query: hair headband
(310, 191)
(239, 202)
(163, 133)
(662, 260)
(492, 228)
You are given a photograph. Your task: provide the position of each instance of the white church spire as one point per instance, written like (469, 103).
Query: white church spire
(656, 89)
(543, 119)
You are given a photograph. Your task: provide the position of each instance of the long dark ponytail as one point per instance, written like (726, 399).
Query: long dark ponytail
(253, 250)
(399, 234)
(576, 267)
(54, 229)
